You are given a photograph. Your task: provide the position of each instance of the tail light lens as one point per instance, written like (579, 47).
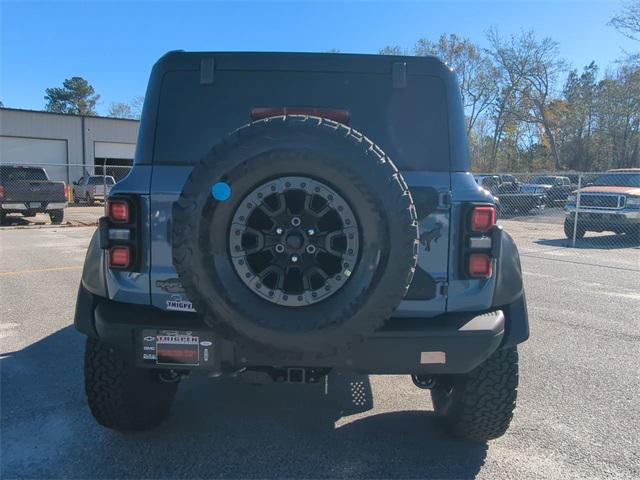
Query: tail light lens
(118, 211)
(483, 218)
(120, 232)
(1, 191)
(119, 257)
(480, 265)
(66, 192)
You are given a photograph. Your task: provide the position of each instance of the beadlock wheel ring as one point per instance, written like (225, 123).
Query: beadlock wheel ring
(295, 213)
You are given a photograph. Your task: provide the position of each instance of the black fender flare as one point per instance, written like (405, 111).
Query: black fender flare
(93, 288)
(509, 295)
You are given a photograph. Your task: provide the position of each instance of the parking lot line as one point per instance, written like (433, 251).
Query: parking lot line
(41, 270)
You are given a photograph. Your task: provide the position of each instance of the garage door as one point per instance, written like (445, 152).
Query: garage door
(51, 154)
(123, 151)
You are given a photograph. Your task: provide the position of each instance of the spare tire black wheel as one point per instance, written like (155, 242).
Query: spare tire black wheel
(312, 246)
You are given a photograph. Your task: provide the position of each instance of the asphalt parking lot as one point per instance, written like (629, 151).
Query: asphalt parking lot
(578, 413)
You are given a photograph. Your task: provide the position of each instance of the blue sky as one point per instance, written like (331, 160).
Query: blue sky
(114, 44)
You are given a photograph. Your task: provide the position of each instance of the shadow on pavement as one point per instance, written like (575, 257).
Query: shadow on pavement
(218, 428)
(12, 221)
(601, 242)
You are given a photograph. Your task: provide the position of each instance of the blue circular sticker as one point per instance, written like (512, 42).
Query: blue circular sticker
(221, 191)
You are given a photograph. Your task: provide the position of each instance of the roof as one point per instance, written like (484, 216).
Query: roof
(299, 61)
(26, 110)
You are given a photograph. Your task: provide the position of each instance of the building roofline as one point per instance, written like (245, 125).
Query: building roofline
(68, 114)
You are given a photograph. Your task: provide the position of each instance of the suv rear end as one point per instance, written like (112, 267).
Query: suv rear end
(340, 228)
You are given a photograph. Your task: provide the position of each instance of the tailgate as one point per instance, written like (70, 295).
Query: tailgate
(34, 190)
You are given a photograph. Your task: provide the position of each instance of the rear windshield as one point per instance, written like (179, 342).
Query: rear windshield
(101, 181)
(35, 174)
(410, 124)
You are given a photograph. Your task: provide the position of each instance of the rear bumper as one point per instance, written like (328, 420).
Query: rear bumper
(454, 343)
(15, 207)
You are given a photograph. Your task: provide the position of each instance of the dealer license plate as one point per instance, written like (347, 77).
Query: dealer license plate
(177, 348)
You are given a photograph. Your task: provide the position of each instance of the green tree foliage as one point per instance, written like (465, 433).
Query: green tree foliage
(76, 96)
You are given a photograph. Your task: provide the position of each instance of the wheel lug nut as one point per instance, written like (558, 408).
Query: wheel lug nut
(279, 231)
(311, 232)
(295, 221)
(294, 258)
(311, 249)
(279, 248)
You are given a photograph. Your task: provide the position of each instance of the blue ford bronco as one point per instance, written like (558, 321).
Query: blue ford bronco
(288, 214)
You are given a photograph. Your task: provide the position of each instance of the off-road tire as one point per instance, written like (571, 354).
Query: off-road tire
(478, 406)
(56, 216)
(120, 396)
(568, 230)
(347, 162)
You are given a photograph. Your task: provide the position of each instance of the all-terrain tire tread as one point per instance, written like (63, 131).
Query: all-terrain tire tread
(116, 391)
(482, 407)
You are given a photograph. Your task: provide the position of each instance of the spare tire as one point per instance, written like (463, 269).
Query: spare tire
(297, 234)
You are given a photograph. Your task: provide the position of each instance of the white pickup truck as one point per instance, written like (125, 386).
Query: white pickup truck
(92, 187)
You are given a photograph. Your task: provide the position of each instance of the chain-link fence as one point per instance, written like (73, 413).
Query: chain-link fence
(598, 209)
(54, 193)
(594, 209)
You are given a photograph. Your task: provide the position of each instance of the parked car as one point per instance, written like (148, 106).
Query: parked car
(287, 247)
(92, 187)
(27, 190)
(556, 188)
(509, 195)
(610, 203)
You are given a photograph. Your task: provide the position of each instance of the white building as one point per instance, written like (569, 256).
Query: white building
(68, 146)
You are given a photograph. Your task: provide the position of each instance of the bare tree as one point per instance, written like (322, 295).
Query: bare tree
(627, 21)
(131, 110)
(392, 50)
(532, 68)
(119, 110)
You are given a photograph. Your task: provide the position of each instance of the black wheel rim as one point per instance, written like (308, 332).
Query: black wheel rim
(294, 241)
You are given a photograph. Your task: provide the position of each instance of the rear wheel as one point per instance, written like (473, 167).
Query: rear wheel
(56, 216)
(478, 406)
(121, 396)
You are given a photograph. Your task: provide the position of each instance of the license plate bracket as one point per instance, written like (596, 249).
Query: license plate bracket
(177, 348)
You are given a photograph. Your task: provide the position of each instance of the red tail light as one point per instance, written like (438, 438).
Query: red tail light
(482, 218)
(66, 192)
(1, 191)
(118, 211)
(119, 257)
(480, 265)
(335, 114)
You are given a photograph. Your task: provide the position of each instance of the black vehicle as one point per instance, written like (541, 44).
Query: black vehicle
(511, 196)
(556, 188)
(288, 214)
(28, 190)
